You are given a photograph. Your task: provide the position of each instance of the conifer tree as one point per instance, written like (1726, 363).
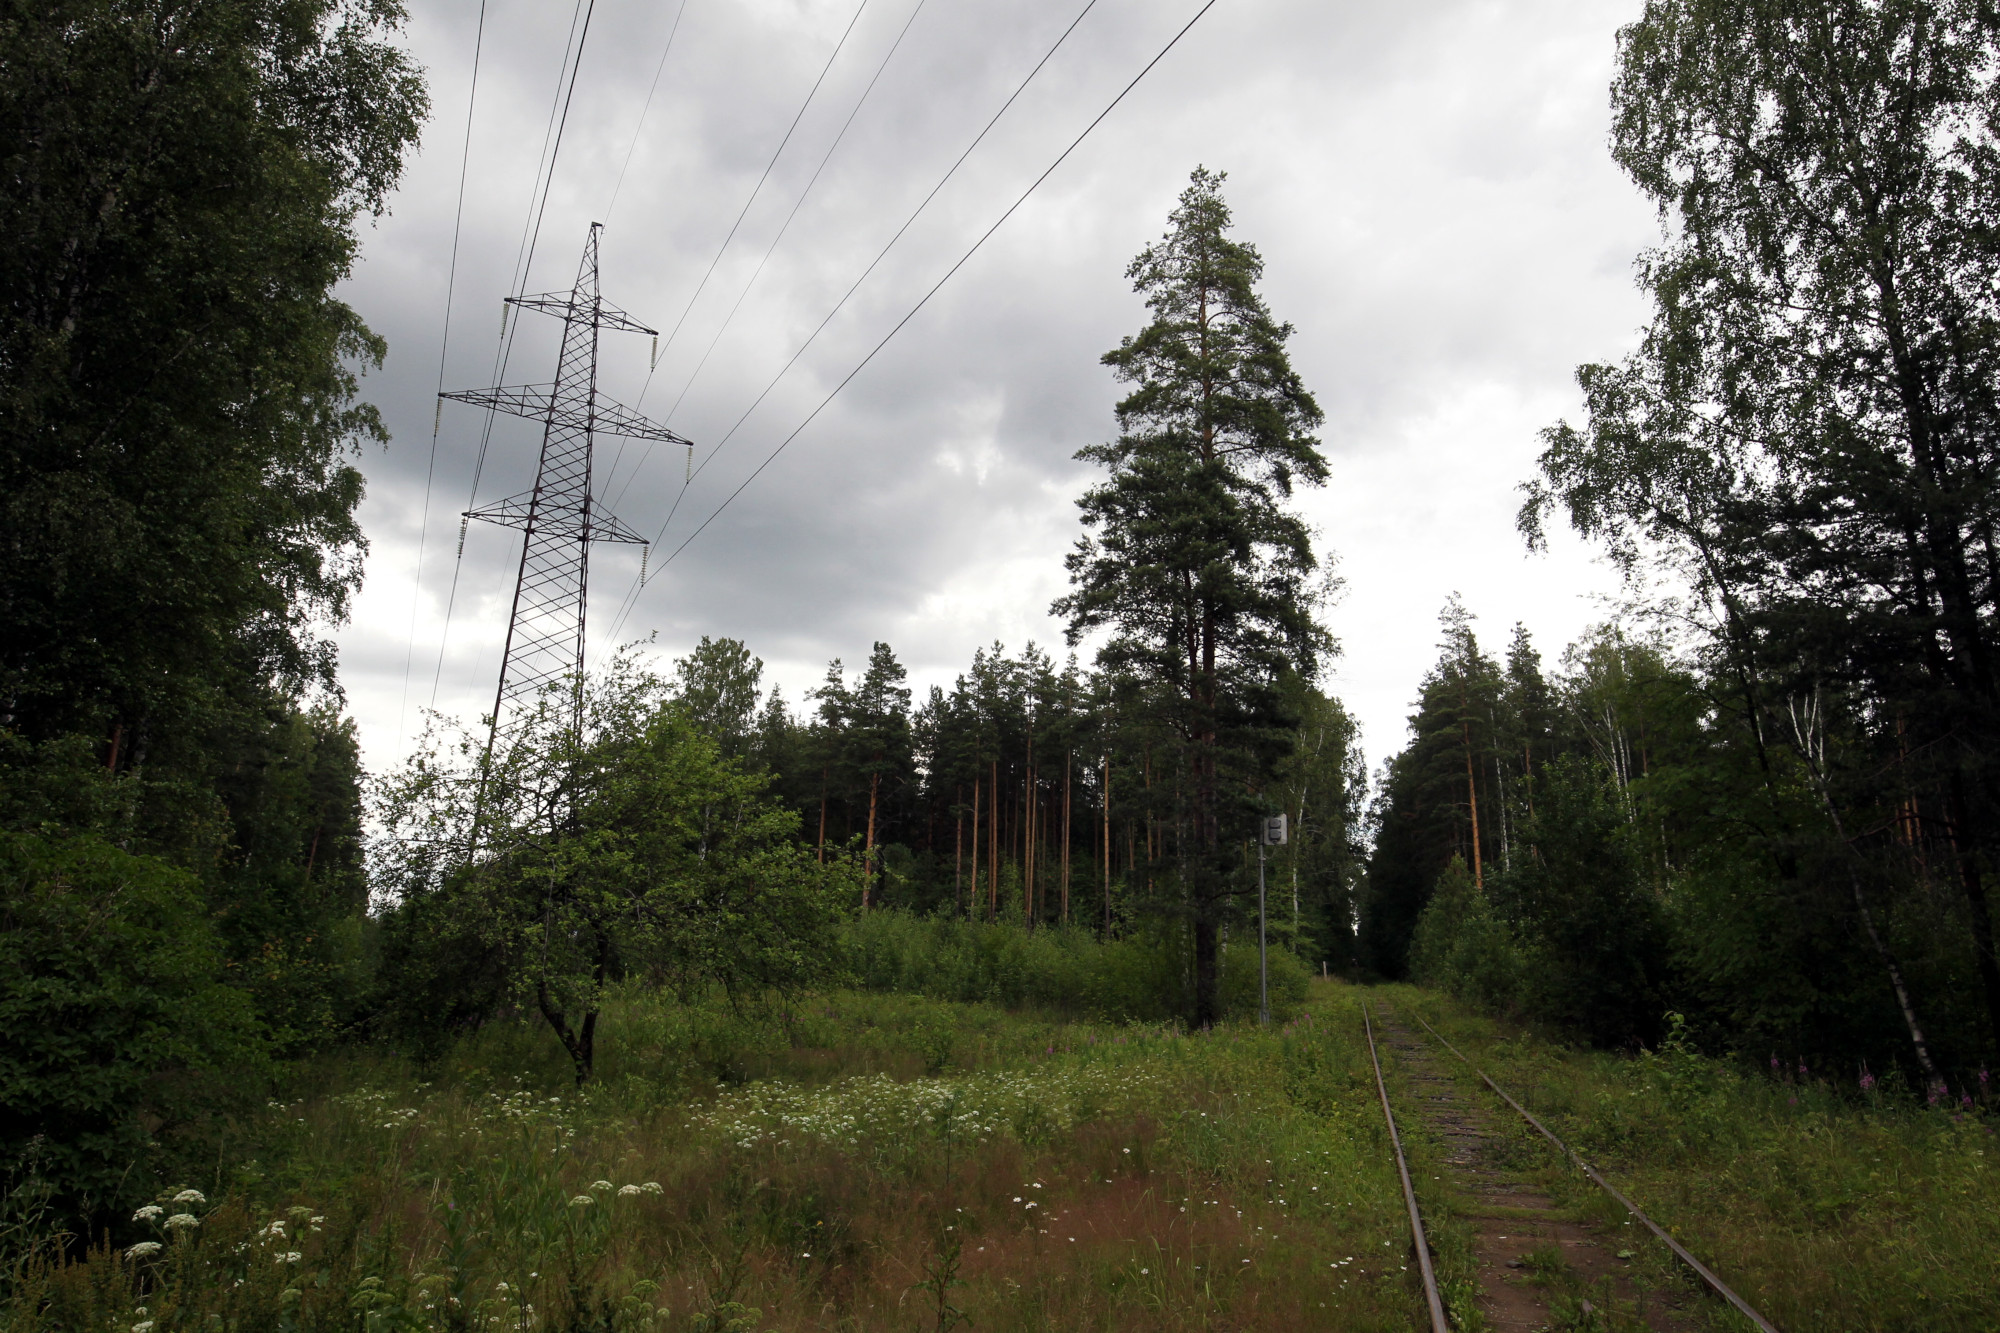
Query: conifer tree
(1191, 559)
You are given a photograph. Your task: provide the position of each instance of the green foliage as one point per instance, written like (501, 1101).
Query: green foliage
(564, 862)
(1804, 439)
(178, 412)
(1316, 876)
(1595, 934)
(1191, 561)
(1066, 971)
(1463, 947)
(716, 685)
(119, 1031)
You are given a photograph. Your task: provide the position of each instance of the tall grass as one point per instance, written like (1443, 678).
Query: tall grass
(858, 1161)
(1145, 977)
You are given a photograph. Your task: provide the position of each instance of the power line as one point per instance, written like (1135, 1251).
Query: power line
(640, 127)
(963, 259)
(769, 250)
(855, 286)
(444, 345)
(789, 130)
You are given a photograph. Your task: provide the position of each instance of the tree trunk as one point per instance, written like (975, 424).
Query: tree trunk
(1068, 763)
(581, 1042)
(1207, 966)
(1471, 794)
(1028, 841)
(1977, 908)
(1107, 846)
(822, 814)
(868, 847)
(972, 894)
(1806, 746)
(993, 846)
(958, 845)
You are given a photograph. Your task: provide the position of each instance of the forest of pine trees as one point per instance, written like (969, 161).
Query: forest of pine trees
(989, 800)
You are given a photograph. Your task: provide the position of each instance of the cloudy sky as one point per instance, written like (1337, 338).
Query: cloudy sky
(1428, 183)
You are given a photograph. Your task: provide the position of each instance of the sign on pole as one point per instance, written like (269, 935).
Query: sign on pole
(1274, 831)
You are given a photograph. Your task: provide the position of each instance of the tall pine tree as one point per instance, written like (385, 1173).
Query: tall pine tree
(1190, 558)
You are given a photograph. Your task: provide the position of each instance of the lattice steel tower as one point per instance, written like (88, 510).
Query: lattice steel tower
(558, 518)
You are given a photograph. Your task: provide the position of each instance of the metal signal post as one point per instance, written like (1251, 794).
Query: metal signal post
(558, 518)
(1272, 835)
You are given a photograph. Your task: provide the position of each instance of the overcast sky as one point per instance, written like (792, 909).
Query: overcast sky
(1428, 182)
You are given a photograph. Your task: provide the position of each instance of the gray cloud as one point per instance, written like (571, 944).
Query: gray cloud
(1427, 182)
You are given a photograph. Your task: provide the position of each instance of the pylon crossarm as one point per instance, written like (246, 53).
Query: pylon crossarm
(513, 512)
(563, 306)
(532, 401)
(607, 528)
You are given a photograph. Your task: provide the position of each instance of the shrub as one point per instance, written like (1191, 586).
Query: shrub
(118, 1030)
(1463, 947)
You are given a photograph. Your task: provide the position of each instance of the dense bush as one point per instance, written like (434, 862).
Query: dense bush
(1461, 945)
(118, 1029)
(1570, 936)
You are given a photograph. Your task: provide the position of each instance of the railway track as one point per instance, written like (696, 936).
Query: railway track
(1510, 1305)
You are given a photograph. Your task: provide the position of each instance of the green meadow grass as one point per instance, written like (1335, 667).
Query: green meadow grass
(861, 1161)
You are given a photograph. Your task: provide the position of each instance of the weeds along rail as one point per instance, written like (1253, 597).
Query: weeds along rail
(1715, 1283)
(1431, 1297)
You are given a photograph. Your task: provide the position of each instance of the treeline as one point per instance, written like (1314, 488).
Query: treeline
(1792, 821)
(1029, 791)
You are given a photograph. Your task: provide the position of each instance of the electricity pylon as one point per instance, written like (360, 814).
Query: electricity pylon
(558, 518)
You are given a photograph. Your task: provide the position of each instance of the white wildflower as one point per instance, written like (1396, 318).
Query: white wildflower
(190, 1196)
(143, 1326)
(652, 1187)
(581, 1201)
(142, 1250)
(289, 1257)
(277, 1228)
(180, 1221)
(600, 1184)
(628, 1191)
(148, 1213)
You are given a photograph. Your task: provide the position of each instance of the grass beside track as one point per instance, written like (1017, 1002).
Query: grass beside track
(887, 1162)
(863, 1162)
(1827, 1206)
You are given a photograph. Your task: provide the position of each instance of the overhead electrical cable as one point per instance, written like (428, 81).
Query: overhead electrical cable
(524, 259)
(639, 128)
(723, 248)
(647, 446)
(444, 345)
(925, 299)
(882, 254)
(798, 204)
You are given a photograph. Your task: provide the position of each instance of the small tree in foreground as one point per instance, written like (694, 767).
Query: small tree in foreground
(638, 850)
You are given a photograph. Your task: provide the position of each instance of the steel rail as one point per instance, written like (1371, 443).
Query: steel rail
(1438, 1322)
(1707, 1275)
